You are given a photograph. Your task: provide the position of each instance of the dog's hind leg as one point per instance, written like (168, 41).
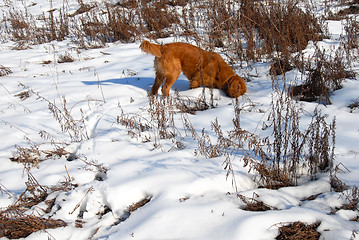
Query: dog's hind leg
(158, 82)
(170, 80)
(160, 76)
(172, 72)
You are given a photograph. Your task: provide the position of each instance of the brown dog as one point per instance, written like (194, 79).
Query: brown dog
(200, 67)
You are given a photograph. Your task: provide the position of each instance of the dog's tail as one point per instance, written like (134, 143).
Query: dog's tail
(151, 48)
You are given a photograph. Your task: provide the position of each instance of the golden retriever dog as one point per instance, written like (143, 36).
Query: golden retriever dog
(199, 66)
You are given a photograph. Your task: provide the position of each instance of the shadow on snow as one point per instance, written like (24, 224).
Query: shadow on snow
(144, 83)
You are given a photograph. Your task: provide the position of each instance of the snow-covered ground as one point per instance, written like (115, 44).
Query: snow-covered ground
(190, 197)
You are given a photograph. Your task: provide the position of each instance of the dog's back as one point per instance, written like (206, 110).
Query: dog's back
(177, 49)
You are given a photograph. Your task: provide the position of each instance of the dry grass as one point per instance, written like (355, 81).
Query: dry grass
(298, 230)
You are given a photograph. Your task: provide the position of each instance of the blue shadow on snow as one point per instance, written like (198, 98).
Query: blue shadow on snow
(144, 83)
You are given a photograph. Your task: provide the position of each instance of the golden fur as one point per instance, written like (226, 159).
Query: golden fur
(200, 67)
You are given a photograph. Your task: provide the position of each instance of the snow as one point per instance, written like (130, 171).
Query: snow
(191, 198)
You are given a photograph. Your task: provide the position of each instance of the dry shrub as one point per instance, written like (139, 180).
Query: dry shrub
(336, 184)
(32, 155)
(354, 106)
(14, 224)
(280, 66)
(83, 9)
(4, 71)
(352, 8)
(28, 156)
(75, 128)
(121, 24)
(293, 148)
(24, 27)
(277, 159)
(113, 23)
(133, 207)
(125, 21)
(253, 204)
(206, 148)
(299, 230)
(23, 95)
(352, 196)
(249, 29)
(287, 28)
(161, 111)
(65, 58)
(351, 41)
(256, 28)
(36, 193)
(134, 123)
(139, 204)
(158, 121)
(326, 73)
(158, 18)
(320, 137)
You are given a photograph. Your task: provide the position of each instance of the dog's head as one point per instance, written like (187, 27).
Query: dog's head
(235, 86)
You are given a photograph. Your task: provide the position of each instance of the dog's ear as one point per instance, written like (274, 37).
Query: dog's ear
(236, 86)
(224, 71)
